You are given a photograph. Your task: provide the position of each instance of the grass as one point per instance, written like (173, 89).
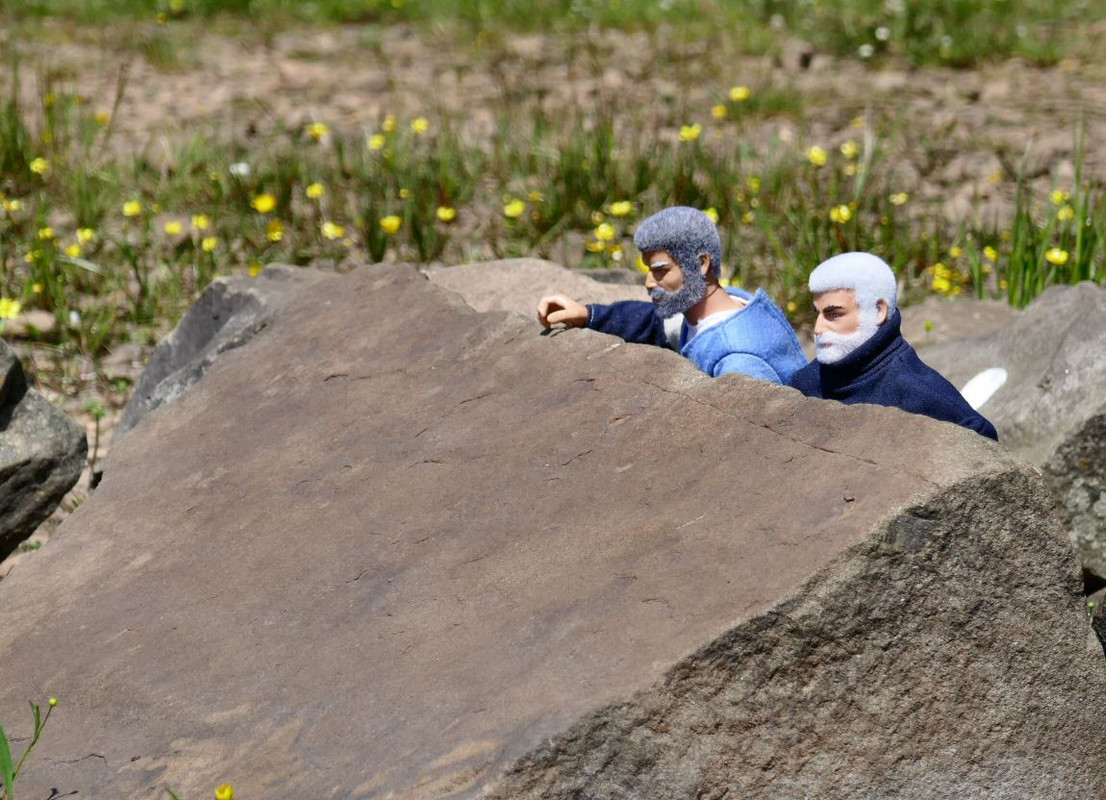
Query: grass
(954, 32)
(114, 244)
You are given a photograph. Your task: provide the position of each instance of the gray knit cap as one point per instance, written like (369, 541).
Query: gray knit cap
(685, 233)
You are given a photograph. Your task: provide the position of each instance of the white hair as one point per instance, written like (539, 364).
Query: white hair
(866, 274)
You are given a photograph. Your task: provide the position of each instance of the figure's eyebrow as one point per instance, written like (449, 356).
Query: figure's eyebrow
(659, 265)
(832, 308)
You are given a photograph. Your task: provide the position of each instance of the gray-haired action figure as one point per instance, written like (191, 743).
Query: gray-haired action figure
(862, 357)
(723, 330)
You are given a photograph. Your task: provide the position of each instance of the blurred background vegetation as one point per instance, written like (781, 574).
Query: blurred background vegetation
(110, 237)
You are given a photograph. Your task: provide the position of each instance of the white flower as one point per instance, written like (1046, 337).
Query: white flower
(883, 33)
(240, 169)
(866, 50)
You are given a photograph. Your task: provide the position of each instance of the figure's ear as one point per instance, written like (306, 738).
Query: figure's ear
(704, 263)
(882, 308)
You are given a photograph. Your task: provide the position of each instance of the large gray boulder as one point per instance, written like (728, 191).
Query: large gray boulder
(516, 284)
(1052, 408)
(228, 314)
(42, 453)
(397, 548)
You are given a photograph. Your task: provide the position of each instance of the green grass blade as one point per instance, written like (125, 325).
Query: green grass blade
(7, 768)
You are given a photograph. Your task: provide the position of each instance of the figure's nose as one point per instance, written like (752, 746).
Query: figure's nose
(820, 325)
(650, 283)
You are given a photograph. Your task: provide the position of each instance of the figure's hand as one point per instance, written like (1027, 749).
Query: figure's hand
(554, 308)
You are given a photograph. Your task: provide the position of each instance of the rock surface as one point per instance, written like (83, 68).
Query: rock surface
(42, 453)
(229, 313)
(439, 555)
(516, 284)
(937, 320)
(1052, 408)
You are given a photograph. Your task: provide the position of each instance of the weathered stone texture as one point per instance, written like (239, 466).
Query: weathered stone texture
(42, 453)
(396, 548)
(229, 313)
(1052, 408)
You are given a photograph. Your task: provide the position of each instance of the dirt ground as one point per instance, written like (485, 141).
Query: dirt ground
(961, 139)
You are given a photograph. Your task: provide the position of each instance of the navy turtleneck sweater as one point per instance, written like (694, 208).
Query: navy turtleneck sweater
(886, 371)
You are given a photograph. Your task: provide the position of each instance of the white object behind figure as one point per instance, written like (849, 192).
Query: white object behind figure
(980, 389)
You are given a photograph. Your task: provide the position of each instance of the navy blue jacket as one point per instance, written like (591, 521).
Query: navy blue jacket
(756, 341)
(886, 371)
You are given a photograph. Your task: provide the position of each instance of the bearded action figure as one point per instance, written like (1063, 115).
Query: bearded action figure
(722, 330)
(862, 357)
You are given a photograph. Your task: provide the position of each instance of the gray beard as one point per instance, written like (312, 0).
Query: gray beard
(832, 347)
(669, 304)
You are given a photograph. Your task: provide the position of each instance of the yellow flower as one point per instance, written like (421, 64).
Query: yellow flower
(739, 94)
(535, 197)
(274, 230)
(173, 227)
(748, 217)
(11, 205)
(1002, 284)
(53, 701)
(404, 194)
(446, 213)
(209, 243)
(132, 208)
(514, 209)
(255, 270)
(332, 231)
(689, 133)
(712, 214)
(955, 252)
(899, 198)
(9, 309)
(391, 223)
(1058, 197)
(1057, 256)
(224, 792)
(597, 247)
(858, 122)
(605, 232)
(753, 182)
(315, 191)
(101, 117)
(850, 149)
(377, 141)
(733, 280)
(1065, 213)
(389, 123)
(718, 111)
(841, 214)
(990, 253)
(420, 125)
(317, 130)
(264, 203)
(792, 306)
(46, 234)
(40, 166)
(942, 285)
(817, 156)
(621, 208)
(73, 250)
(200, 222)
(37, 288)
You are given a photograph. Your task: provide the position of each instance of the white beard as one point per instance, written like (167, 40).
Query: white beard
(832, 347)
